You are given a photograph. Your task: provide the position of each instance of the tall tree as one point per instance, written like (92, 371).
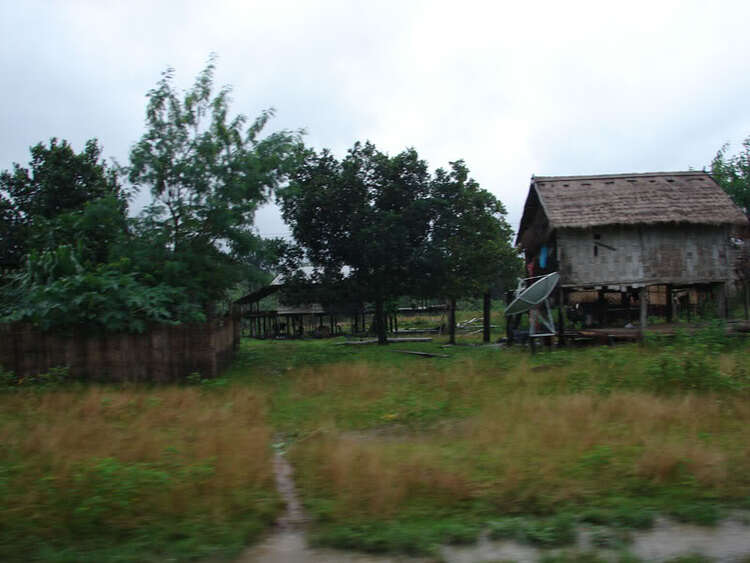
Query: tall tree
(470, 248)
(733, 174)
(57, 182)
(207, 173)
(369, 212)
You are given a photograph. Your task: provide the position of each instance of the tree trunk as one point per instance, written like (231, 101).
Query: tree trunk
(487, 312)
(452, 321)
(380, 322)
(746, 286)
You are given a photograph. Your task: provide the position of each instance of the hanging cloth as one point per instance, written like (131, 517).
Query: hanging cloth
(543, 257)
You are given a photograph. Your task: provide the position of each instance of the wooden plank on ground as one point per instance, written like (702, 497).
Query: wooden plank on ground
(375, 340)
(423, 354)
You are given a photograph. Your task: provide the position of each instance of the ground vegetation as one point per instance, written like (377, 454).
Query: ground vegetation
(392, 453)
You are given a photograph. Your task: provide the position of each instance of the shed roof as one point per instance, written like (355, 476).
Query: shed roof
(630, 199)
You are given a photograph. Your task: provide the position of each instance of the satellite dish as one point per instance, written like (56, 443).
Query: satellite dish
(533, 295)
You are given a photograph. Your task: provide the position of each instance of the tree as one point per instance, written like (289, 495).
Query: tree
(369, 212)
(733, 174)
(57, 182)
(470, 247)
(207, 173)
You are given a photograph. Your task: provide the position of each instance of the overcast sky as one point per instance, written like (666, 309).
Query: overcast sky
(515, 89)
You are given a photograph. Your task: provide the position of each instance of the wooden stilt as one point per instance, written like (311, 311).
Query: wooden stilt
(670, 305)
(721, 300)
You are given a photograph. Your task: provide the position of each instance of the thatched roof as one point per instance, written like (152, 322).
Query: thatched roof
(629, 199)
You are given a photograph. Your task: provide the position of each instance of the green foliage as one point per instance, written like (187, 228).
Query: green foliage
(207, 173)
(733, 174)
(544, 532)
(57, 182)
(470, 246)
(69, 256)
(112, 510)
(414, 536)
(51, 379)
(95, 230)
(684, 362)
(55, 291)
(369, 212)
(397, 229)
(703, 513)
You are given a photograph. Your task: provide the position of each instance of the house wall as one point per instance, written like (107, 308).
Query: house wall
(665, 254)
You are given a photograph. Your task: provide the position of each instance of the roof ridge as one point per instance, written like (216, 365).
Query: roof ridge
(636, 174)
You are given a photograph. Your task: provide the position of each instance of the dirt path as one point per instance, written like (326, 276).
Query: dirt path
(287, 543)
(727, 542)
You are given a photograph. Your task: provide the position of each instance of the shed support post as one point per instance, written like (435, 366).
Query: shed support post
(452, 321)
(508, 320)
(643, 298)
(721, 300)
(669, 304)
(487, 311)
(601, 309)
(561, 317)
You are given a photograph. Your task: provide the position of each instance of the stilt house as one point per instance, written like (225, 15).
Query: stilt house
(624, 233)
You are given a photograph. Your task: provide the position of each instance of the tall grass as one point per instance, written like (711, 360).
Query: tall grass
(657, 428)
(172, 470)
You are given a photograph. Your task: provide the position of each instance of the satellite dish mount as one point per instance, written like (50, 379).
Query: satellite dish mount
(533, 297)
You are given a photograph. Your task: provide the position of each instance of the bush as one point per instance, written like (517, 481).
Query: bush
(56, 291)
(694, 368)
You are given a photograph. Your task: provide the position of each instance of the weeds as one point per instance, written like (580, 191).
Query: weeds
(174, 471)
(546, 532)
(52, 379)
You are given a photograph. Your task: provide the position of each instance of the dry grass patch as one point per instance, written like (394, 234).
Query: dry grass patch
(532, 452)
(106, 463)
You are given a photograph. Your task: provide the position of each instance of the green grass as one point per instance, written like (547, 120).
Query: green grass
(392, 453)
(611, 436)
(111, 474)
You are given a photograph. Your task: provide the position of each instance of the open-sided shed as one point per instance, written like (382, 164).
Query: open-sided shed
(626, 232)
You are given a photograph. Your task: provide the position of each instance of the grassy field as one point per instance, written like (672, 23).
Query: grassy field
(392, 452)
(107, 474)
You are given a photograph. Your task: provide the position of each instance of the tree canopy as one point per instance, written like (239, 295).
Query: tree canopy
(733, 174)
(207, 173)
(72, 257)
(399, 230)
(50, 202)
(368, 212)
(470, 249)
